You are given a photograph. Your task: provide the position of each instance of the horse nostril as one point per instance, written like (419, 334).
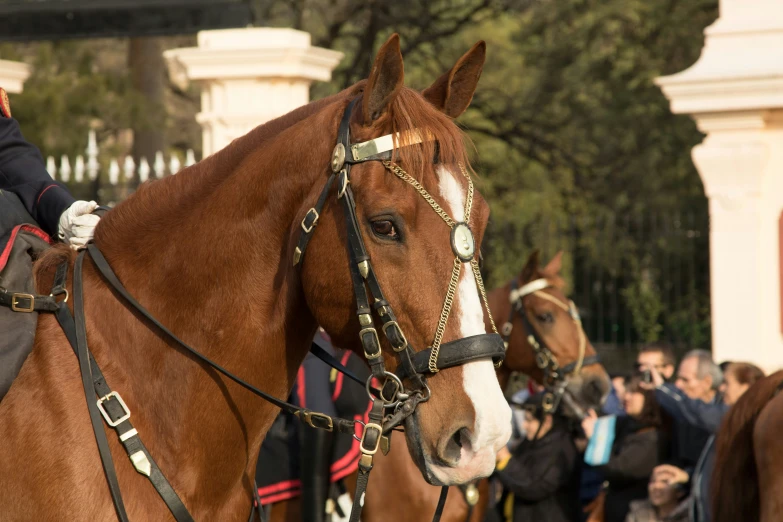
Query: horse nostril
(457, 436)
(452, 450)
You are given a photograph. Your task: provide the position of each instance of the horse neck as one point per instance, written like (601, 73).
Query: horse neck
(208, 254)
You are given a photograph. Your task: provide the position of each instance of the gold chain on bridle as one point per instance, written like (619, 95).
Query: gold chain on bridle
(455, 272)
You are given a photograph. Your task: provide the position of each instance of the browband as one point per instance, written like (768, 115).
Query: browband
(376, 148)
(529, 288)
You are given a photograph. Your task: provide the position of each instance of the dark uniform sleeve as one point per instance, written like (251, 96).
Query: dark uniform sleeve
(22, 171)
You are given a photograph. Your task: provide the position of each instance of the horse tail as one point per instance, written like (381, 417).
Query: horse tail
(735, 488)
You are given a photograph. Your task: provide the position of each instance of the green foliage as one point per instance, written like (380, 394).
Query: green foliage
(645, 304)
(69, 93)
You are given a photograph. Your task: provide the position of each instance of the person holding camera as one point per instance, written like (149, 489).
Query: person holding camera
(696, 405)
(641, 442)
(658, 355)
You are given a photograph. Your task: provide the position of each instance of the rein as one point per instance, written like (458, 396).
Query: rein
(393, 404)
(555, 377)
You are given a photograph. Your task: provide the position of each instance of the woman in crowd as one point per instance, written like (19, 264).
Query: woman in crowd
(541, 475)
(641, 442)
(665, 502)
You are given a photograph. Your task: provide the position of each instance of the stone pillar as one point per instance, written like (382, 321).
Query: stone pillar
(735, 94)
(249, 76)
(13, 75)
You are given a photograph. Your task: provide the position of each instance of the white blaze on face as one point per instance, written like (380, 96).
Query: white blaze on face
(493, 414)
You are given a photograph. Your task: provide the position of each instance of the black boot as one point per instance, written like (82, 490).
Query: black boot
(315, 461)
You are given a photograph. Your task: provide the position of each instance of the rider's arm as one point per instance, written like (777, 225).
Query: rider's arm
(22, 172)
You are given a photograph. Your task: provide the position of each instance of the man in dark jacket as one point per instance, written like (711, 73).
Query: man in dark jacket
(23, 173)
(28, 196)
(541, 476)
(695, 403)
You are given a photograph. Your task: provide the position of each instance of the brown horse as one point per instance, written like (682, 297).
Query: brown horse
(746, 479)
(209, 253)
(398, 491)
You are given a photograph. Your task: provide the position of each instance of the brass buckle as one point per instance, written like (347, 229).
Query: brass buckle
(364, 434)
(15, 305)
(344, 181)
(105, 414)
(377, 341)
(404, 339)
(307, 417)
(309, 229)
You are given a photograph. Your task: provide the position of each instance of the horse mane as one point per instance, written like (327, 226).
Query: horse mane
(735, 488)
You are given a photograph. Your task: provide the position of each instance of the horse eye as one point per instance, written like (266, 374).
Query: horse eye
(385, 228)
(545, 318)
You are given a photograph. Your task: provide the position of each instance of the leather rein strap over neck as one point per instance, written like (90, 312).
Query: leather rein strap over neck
(555, 376)
(395, 403)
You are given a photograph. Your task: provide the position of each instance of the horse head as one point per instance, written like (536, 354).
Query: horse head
(419, 224)
(546, 340)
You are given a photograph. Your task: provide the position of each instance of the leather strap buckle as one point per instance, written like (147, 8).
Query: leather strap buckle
(309, 228)
(374, 332)
(403, 339)
(377, 443)
(18, 302)
(316, 420)
(108, 396)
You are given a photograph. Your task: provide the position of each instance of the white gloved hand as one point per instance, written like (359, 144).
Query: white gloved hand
(77, 223)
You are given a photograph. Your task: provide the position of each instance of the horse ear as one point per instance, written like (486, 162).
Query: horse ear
(531, 269)
(554, 266)
(453, 92)
(385, 81)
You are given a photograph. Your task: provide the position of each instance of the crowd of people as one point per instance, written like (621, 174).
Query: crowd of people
(646, 457)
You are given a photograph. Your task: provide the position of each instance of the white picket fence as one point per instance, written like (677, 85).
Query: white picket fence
(84, 171)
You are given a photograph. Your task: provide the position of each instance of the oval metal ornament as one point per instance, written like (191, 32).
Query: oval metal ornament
(338, 157)
(462, 242)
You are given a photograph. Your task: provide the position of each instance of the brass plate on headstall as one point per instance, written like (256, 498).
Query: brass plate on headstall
(338, 157)
(462, 242)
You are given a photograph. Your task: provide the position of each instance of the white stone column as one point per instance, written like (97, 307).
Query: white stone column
(13, 75)
(249, 76)
(735, 94)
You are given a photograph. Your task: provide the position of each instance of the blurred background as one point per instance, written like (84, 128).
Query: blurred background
(575, 144)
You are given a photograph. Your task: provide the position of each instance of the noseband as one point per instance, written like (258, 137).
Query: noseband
(555, 377)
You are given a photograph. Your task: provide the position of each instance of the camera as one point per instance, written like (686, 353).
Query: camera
(647, 376)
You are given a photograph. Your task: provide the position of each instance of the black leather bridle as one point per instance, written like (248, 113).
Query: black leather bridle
(395, 403)
(555, 377)
(391, 406)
